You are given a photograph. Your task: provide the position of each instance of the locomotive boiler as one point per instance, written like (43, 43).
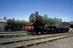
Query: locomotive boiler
(44, 25)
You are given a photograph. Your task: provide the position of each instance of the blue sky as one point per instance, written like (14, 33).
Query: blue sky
(21, 9)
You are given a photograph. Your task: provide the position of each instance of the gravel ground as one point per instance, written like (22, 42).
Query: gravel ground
(62, 43)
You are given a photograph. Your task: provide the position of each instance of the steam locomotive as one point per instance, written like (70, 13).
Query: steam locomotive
(44, 25)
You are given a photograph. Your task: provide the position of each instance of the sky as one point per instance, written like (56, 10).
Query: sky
(22, 9)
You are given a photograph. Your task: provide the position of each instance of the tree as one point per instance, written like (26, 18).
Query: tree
(23, 22)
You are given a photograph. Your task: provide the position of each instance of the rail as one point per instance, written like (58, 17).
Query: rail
(28, 41)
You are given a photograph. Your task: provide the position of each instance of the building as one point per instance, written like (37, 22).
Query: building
(2, 24)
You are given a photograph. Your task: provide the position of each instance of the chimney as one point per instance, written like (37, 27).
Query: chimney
(36, 13)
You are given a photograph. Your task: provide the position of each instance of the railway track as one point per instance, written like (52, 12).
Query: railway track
(25, 42)
(12, 34)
